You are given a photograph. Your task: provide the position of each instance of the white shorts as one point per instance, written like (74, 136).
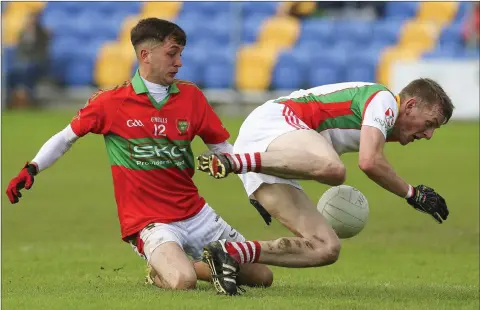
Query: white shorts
(263, 125)
(191, 234)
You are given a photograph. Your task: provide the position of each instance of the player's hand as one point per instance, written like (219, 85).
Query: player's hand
(426, 200)
(264, 213)
(23, 180)
(216, 164)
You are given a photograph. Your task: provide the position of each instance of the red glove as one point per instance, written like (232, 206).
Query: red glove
(23, 180)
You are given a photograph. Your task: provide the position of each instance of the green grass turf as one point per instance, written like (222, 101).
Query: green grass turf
(61, 246)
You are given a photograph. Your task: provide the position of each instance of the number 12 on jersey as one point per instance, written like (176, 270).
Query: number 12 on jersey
(159, 130)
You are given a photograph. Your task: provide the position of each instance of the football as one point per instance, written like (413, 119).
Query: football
(346, 210)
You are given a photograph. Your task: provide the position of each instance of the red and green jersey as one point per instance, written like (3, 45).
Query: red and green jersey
(338, 111)
(149, 147)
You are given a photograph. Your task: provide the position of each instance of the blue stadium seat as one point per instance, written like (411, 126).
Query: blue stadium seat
(88, 51)
(104, 7)
(207, 50)
(212, 8)
(190, 72)
(290, 58)
(309, 47)
(324, 74)
(401, 10)
(319, 30)
(220, 29)
(348, 44)
(55, 20)
(62, 46)
(108, 29)
(366, 57)
(259, 7)
(331, 56)
(356, 31)
(8, 58)
(98, 24)
(451, 35)
(303, 53)
(251, 27)
(464, 9)
(218, 76)
(67, 7)
(360, 73)
(188, 21)
(440, 52)
(387, 32)
(79, 73)
(468, 53)
(62, 52)
(192, 65)
(128, 7)
(287, 76)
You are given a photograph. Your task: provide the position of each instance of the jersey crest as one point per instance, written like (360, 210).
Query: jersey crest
(182, 126)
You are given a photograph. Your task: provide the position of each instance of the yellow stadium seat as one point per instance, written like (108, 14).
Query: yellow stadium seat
(12, 23)
(391, 55)
(418, 34)
(279, 32)
(254, 67)
(166, 10)
(25, 7)
(252, 78)
(127, 26)
(114, 64)
(303, 8)
(440, 13)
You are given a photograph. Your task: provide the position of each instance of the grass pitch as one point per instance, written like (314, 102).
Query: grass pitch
(61, 246)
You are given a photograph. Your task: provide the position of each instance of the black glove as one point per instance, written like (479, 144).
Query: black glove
(264, 213)
(216, 165)
(426, 200)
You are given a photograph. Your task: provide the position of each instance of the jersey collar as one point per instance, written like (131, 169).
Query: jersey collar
(140, 88)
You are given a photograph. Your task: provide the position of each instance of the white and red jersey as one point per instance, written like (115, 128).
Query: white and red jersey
(338, 111)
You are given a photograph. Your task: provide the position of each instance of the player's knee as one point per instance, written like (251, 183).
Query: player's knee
(334, 174)
(327, 250)
(333, 252)
(183, 281)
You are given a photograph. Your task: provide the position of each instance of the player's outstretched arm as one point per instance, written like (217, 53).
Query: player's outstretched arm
(374, 164)
(48, 154)
(372, 161)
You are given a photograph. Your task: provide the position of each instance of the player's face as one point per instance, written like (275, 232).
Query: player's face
(165, 60)
(419, 122)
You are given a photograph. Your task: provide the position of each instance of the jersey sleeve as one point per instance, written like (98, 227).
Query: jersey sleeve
(381, 112)
(92, 118)
(210, 127)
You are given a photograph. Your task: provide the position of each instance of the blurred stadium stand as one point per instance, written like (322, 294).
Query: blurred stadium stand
(242, 46)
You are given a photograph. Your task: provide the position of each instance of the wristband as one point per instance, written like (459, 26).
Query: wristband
(410, 192)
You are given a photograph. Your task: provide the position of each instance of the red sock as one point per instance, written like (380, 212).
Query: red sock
(243, 163)
(244, 252)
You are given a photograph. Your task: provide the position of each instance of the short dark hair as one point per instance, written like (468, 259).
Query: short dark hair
(429, 92)
(156, 29)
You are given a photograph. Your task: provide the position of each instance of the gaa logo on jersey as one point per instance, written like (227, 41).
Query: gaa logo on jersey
(389, 118)
(182, 126)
